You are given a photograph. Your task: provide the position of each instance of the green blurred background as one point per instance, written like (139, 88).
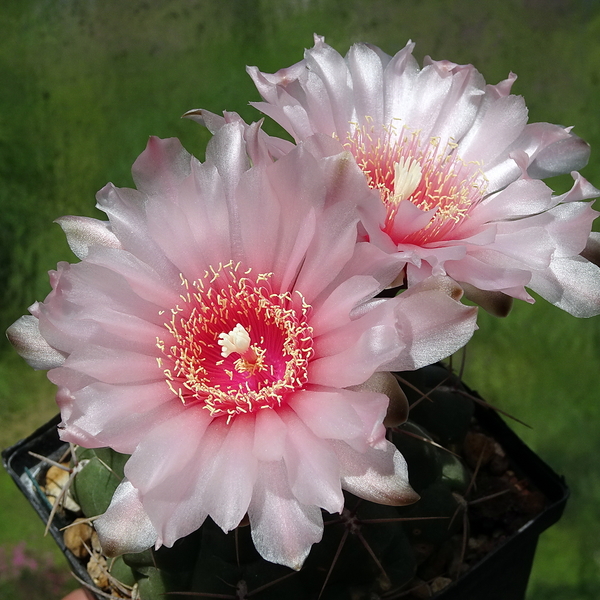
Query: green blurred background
(85, 82)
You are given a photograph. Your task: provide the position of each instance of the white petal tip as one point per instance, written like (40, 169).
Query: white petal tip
(125, 526)
(24, 334)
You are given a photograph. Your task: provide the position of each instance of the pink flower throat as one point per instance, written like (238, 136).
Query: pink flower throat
(404, 167)
(234, 345)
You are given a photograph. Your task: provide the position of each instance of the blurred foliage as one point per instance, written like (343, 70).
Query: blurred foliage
(85, 82)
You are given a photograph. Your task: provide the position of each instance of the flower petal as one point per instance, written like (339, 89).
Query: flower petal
(572, 284)
(563, 156)
(328, 414)
(175, 505)
(312, 468)
(84, 232)
(116, 415)
(269, 436)
(283, 529)
(234, 472)
(434, 330)
(167, 448)
(24, 334)
(377, 475)
(161, 167)
(125, 527)
(350, 355)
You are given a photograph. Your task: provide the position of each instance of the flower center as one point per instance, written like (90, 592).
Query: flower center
(234, 345)
(404, 167)
(238, 341)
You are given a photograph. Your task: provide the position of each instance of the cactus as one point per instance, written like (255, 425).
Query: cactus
(368, 552)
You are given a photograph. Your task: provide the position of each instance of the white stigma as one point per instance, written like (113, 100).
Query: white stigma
(237, 340)
(407, 176)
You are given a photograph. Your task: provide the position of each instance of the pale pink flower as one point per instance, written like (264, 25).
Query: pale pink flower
(455, 168)
(213, 330)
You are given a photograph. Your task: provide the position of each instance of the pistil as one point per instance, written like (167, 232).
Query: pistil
(238, 341)
(407, 176)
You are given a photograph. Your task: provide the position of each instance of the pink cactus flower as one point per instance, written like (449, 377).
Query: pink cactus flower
(455, 169)
(217, 328)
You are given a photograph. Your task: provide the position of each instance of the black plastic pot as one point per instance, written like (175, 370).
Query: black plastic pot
(502, 575)
(26, 469)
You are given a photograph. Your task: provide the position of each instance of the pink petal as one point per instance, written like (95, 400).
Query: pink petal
(572, 284)
(591, 251)
(520, 199)
(144, 281)
(233, 475)
(266, 83)
(89, 285)
(401, 74)
(327, 413)
(279, 230)
(494, 130)
(227, 151)
(328, 69)
(283, 529)
(312, 468)
(119, 416)
(428, 94)
(176, 505)
(335, 310)
(367, 81)
(125, 526)
(196, 223)
(371, 408)
(107, 328)
(563, 156)
(24, 335)
(562, 231)
(462, 101)
(334, 242)
(409, 219)
(269, 436)
(502, 88)
(581, 190)
(431, 324)
(161, 167)
(350, 355)
(114, 365)
(125, 210)
(532, 246)
(488, 270)
(167, 448)
(171, 230)
(376, 475)
(292, 118)
(84, 232)
(328, 254)
(367, 258)
(206, 118)
(73, 380)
